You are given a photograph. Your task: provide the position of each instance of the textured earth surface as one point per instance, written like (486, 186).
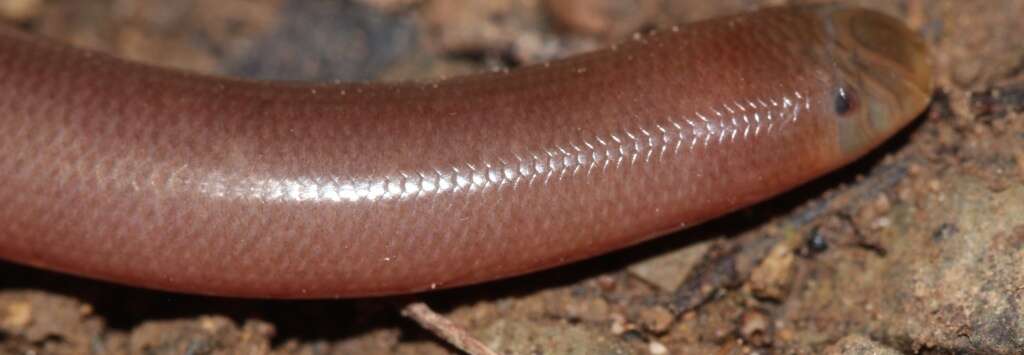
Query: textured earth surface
(918, 248)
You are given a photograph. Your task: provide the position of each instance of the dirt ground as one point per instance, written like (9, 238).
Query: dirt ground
(918, 248)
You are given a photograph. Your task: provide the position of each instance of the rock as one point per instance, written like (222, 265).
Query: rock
(508, 336)
(859, 345)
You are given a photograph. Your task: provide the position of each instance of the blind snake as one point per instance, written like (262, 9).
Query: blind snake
(176, 181)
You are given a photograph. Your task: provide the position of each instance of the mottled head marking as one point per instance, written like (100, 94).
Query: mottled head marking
(882, 76)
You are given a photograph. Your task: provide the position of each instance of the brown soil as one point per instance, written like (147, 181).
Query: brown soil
(918, 248)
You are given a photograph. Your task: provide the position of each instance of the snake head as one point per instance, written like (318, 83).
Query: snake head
(882, 77)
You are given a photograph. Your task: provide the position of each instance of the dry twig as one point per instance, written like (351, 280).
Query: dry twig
(445, 329)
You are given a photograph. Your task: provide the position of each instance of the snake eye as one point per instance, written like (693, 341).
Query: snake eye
(845, 100)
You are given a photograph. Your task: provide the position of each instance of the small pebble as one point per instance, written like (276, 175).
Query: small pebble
(656, 319)
(754, 328)
(771, 278)
(657, 348)
(619, 325)
(883, 222)
(606, 282)
(17, 315)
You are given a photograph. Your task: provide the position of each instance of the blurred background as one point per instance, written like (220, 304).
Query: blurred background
(918, 248)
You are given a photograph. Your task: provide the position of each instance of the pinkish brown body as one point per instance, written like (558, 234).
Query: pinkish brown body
(168, 180)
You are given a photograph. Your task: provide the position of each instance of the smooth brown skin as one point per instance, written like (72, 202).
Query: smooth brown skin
(174, 181)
